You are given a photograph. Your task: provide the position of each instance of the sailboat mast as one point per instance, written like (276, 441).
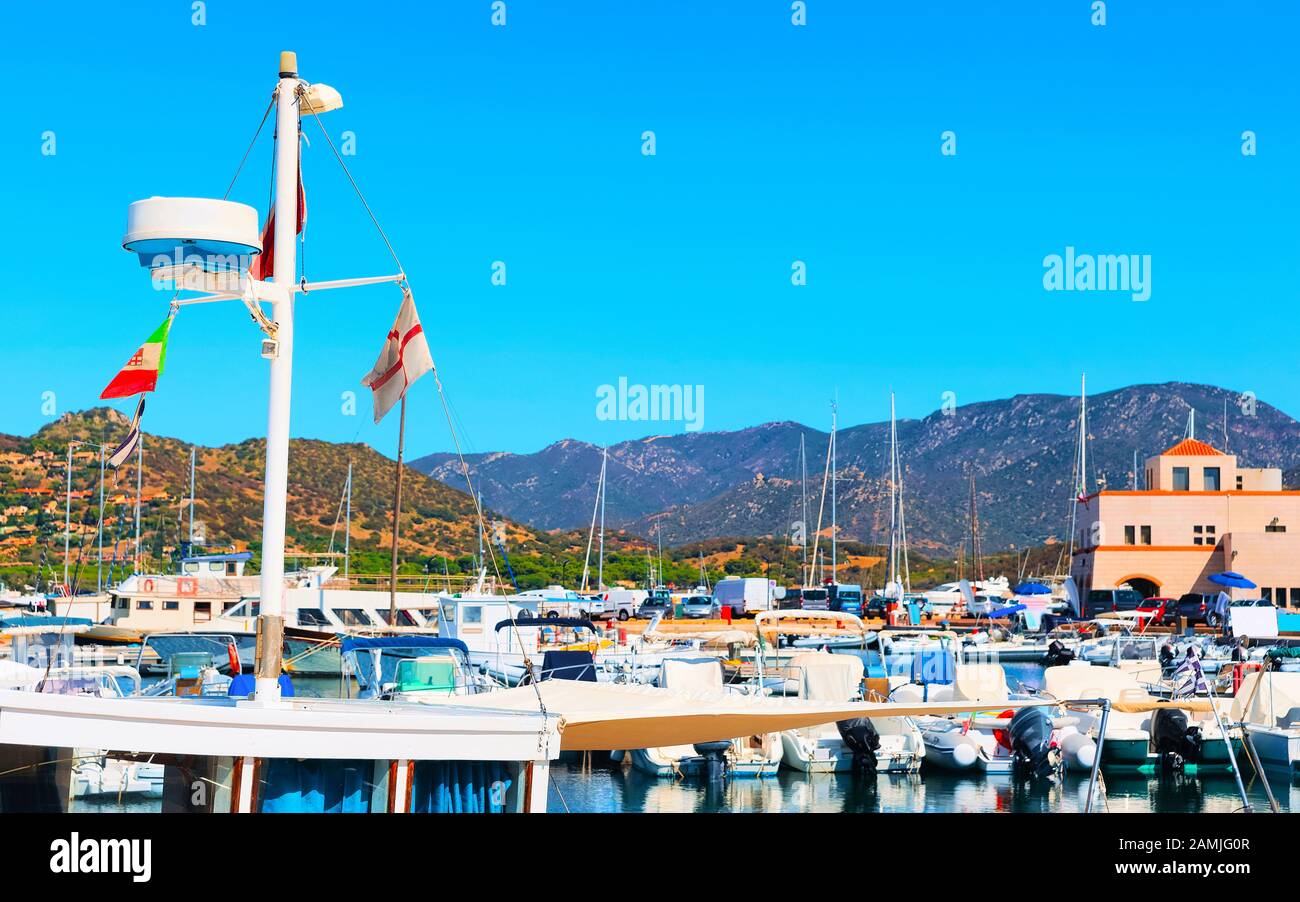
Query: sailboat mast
(834, 520)
(600, 557)
(192, 500)
(893, 497)
(139, 487)
(803, 466)
(347, 529)
(270, 623)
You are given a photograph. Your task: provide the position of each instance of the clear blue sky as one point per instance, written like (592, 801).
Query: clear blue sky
(775, 143)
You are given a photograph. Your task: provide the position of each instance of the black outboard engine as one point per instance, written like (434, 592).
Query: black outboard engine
(860, 735)
(1176, 743)
(1035, 754)
(715, 759)
(1057, 654)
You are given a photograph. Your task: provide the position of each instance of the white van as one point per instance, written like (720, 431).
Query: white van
(622, 603)
(745, 595)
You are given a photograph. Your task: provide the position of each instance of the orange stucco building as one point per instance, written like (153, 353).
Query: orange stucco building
(1199, 514)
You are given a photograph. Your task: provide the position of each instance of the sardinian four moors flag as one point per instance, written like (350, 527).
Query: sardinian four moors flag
(140, 375)
(404, 359)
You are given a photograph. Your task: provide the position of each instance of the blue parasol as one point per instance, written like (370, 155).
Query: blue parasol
(1032, 589)
(1232, 579)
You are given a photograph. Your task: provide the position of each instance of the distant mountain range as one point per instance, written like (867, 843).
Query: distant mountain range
(1021, 451)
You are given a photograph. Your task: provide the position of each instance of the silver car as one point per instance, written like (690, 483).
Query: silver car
(700, 607)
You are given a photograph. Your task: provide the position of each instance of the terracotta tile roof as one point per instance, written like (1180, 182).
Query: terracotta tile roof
(1190, 447)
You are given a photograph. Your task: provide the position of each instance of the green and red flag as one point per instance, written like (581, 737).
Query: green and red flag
(145, 366)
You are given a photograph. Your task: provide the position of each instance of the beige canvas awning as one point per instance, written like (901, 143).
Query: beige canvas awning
(608, 716)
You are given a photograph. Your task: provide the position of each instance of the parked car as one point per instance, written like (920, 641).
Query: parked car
(789, 599)
(1195, 608)
(1163, 610)
(1100, 601)
(700, 607)
(846, 598)
(877, 606)
(659, 601)
(815, 599)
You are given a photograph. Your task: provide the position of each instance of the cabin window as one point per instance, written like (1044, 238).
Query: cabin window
(231, 568)
(1274, 527)
(1130, 535)
(192, 568)
(1211, 479)
(217, 566)
(352, 617)
(403, 617)
(228, 606)
(143, 605)
(311, 617)
(171, 605)
(1146, 535)
(1182, 479)
(202, 610)
(121, 604)
(473, 614)
(1295, 598)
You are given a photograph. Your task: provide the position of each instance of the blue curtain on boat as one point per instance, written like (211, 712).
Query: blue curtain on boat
(460, 787)
(315, 786)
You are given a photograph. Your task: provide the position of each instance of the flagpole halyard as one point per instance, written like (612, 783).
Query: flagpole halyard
(397, 512)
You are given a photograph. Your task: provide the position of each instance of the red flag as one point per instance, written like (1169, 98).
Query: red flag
(263, 264)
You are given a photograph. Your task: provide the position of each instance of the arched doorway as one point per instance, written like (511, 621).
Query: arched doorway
(1144, 584)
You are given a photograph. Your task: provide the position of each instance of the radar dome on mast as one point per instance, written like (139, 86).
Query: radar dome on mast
(217, 235)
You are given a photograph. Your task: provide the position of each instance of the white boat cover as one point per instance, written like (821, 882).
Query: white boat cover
(615, 716)
(828, 678)
(1084, 681)
(691, 673)
(980, 683)
(1268, 699)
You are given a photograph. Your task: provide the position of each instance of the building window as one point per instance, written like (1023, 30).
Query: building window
(1147, 484)
(1295, 598)
(1266, 594)
(1130, 535)
(1211, 479)
(1146, 535)
(1182, 479)
(1239, 483)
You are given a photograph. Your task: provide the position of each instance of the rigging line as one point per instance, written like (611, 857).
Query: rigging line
(328, 140)
(251, 144)
(455, 439)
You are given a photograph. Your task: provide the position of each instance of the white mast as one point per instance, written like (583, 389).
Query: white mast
(192, 499)
(67, 520)
(596, 508)
(600, 555)
(347, 528)
(139, 488)
(1081, 454)
(893, 499)
(99, 570)
(270, 624)
(803, 466)
(834, 522)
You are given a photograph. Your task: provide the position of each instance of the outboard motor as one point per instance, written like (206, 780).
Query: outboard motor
(1176, 743)
(1057, 654)
(1034, 751)
(860, 735)
(715, 759)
